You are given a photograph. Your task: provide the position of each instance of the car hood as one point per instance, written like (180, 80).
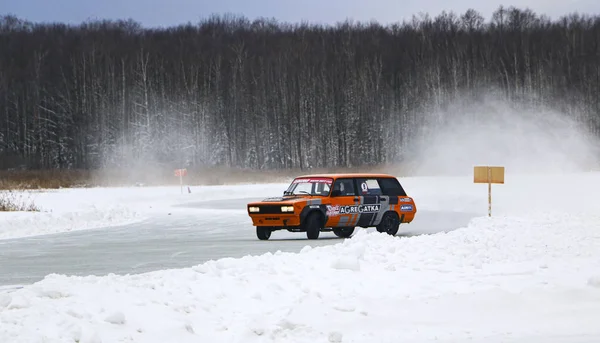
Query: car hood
(288, 199)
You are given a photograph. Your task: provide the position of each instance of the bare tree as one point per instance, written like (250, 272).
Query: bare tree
(263, 94)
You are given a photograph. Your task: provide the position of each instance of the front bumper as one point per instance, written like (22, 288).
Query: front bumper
(275, 220)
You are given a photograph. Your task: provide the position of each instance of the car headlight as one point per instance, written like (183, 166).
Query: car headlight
(253, 209)
(287, 208)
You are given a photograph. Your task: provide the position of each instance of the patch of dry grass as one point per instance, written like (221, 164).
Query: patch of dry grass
(43, 179)
(11, 201)
(53, 179)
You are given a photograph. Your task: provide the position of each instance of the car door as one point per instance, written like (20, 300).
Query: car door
(342, 210)
(372, 203)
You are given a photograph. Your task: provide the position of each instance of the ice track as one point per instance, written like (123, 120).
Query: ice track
(217, 229)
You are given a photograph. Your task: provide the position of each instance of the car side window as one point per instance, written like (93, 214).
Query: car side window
(391, 186)
(322, 188)
(369, 187)
(345, 186)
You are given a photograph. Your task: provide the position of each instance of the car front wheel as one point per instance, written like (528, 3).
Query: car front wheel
(313, 226)
(263, 233)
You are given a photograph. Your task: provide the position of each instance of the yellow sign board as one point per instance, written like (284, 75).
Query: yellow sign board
(489, 175)
(485, 174)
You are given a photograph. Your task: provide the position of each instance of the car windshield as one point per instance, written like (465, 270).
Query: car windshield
(309, 186)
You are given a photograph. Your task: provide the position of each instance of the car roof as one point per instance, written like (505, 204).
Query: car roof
(347, 175)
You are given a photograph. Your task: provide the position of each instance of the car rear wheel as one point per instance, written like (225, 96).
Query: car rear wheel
(313, 226)
(263, 233)
(389, 223)
(343, 232)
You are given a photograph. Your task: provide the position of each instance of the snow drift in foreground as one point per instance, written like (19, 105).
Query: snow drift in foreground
(499, 279)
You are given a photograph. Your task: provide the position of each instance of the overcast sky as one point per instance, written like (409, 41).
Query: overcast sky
(173, 12)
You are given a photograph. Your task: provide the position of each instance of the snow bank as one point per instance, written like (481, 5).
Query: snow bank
(527, 279)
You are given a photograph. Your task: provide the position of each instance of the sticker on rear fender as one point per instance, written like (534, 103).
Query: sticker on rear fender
(406, 208)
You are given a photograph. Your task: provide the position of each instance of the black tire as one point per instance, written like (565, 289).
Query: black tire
(343, 232)
(313, 226)
(389, 223)
(263, 233)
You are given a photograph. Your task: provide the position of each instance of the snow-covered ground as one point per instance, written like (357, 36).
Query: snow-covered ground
(531, 273)
(67, 210)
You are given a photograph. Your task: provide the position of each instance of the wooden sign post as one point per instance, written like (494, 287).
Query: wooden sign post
(489, 175)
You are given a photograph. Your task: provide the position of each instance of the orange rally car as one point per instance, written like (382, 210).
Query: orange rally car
(335, 202)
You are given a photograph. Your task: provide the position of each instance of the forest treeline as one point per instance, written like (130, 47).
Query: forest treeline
(263, 94)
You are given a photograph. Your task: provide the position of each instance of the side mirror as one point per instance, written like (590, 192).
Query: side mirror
(336, 193)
